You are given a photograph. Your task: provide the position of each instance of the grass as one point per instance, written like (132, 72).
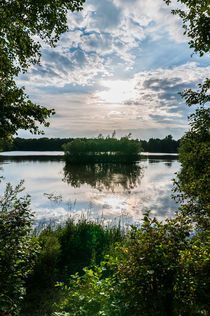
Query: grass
(65, 250)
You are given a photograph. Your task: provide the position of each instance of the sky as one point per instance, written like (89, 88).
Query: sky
(119, 67)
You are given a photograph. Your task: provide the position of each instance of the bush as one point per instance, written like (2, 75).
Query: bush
(98, 150)
(159, 269)
(65, 251)
(17, 247)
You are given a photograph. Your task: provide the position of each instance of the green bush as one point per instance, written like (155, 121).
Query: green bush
(65, 251)
(17, 247)
(159, 269)
(99, 150)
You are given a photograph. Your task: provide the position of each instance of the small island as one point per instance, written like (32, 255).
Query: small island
(102, 150)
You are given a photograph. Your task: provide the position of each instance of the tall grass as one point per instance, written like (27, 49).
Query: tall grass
(64, 251)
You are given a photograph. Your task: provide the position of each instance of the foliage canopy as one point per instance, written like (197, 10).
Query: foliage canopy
(194, 153)
(196, 23)
(156, 270)
(24, 26)
(100, 149)
(17, 247)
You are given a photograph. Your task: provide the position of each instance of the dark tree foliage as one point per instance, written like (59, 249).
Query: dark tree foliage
(193, 179)
(18, 112)
(199, 97)
(107, 149)
(165, 145)
(196, 23)
(194, 155)
(23, 25)
(17, 247)
(40, 144)
(103, 176)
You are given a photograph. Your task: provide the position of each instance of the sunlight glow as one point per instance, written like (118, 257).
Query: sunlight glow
(116, 91)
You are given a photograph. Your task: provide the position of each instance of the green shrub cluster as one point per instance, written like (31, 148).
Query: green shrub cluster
(159, 269)
(107, 149)
(17, 247)
(65, 251)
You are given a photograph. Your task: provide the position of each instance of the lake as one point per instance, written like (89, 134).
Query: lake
(106, 192)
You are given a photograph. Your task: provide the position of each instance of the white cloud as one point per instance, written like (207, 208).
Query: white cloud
(103, 35)
(148, 100)
(94, 77)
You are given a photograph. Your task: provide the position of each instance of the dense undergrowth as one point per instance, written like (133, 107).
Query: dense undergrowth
(84, 268)
(64, 252)
(159, 269)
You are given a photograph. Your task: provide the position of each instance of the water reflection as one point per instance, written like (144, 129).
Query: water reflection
(103, 176)
(109, 191)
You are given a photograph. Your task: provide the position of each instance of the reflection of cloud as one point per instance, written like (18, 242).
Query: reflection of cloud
(46, 215)
(152, 192)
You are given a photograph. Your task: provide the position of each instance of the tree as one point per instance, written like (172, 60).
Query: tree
(193, 178)
(161, 269)
(17, 247)
(23, 25)
(194, 153)
(196, 23)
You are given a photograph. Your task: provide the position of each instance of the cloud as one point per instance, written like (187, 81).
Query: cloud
(59, 69)
(104, 35)
(107, 16)
(147, 102)
(120, 66)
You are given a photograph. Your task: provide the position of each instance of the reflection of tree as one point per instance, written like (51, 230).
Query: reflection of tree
(167, 161)
(103, 176)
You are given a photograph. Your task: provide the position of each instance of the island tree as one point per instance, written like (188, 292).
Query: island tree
(107, 149)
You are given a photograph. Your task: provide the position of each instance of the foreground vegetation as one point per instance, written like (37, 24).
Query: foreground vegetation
(85, 268)
(159, 269)
(64, 252)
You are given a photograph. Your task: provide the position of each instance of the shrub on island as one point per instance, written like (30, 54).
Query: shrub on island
(95, 150)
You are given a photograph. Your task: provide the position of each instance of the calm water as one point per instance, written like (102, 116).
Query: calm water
(105, 191)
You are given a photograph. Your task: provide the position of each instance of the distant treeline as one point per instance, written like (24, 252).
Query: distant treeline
(165, 145)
